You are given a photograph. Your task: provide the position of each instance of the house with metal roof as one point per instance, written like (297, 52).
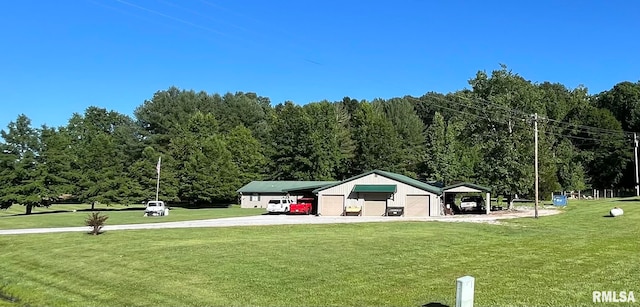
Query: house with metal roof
(379, 193)
(257, 194)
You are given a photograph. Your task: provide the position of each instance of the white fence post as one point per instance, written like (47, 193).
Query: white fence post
(464, 291)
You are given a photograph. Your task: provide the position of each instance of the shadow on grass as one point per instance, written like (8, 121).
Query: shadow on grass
(93, 235)
(8, 298)
(110, 209)
(433, 304)
(79, 210)
(39, 213)
(629, 200)
(202, 206)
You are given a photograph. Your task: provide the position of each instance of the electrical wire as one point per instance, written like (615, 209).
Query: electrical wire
(604, 134)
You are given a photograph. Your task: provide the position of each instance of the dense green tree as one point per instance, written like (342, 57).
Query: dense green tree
(411, 131)
(326, 136)
(290, 154)
(438, 161)
(247, 154)
(246, 109)
(378, 145)
(144, 175)
(623, 100)
(205, 169)
(21, 172)
(101, 143)
(162, 115)
(605, 153)
(55, 158)
(344, 139)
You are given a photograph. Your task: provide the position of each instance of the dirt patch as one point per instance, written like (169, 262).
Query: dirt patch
(496, 216)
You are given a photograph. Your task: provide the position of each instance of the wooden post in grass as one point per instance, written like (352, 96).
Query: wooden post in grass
(464, 291)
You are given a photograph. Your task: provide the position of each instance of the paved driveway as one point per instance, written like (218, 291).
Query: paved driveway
(262, 220)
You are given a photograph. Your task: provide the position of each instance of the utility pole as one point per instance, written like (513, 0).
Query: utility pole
(535, 129)
(635, 155)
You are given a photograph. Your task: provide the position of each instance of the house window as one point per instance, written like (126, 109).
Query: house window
(254, 197)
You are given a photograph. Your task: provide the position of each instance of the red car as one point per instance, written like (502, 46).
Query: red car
(301, 206)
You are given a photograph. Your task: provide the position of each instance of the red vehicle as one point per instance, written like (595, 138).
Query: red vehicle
(301, 206)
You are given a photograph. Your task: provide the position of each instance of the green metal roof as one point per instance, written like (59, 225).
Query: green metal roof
(374, 188)
(467, 184)
(281, 186)
(397, 177)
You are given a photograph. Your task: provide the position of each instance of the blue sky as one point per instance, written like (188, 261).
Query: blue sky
(60, 57)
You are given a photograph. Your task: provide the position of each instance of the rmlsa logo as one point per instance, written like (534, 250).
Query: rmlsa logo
(613, 297)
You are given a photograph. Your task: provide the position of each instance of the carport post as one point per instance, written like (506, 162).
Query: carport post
(487, 203)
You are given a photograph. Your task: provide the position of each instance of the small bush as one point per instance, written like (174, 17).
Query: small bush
(95, 220)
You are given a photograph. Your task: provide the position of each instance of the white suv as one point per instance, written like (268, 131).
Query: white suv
(279, 205)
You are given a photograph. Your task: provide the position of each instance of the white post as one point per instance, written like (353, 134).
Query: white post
(488, 203)
(464, 291)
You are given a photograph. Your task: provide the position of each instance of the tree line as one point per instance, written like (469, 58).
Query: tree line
(212, 144)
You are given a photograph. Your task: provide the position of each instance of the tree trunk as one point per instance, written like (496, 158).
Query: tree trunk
(510, 201)
(93, 205)
(29, 209)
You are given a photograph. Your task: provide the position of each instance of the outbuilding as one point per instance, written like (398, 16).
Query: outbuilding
(379, 193)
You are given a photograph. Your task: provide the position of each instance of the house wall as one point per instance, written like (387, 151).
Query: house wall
(263, 199)
(397, 200)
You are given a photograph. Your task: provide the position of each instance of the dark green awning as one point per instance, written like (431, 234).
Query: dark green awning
(374, 188)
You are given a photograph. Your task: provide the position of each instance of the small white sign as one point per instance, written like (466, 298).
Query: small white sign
(613, 297)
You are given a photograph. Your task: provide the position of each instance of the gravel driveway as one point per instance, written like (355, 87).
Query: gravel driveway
(262, 220)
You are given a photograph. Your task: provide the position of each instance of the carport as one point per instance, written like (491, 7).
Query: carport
(306, 191)
(466, 187)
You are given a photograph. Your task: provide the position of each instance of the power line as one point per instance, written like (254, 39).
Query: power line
(601, 130)
(487, 103)
(249, 44)
(171, 17)
(604, 134)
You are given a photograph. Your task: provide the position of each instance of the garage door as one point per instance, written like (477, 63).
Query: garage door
(417, 205)
(331, 205)
(375, 204)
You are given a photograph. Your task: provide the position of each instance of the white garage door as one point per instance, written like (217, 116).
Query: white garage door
(375, 204)
(331, 205)
(416, 205)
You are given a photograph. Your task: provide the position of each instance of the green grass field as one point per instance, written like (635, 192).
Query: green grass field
(63, 215)
(553, 261)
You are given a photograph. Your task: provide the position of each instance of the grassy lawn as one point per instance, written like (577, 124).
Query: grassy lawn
(63, 215)
(553, 261)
